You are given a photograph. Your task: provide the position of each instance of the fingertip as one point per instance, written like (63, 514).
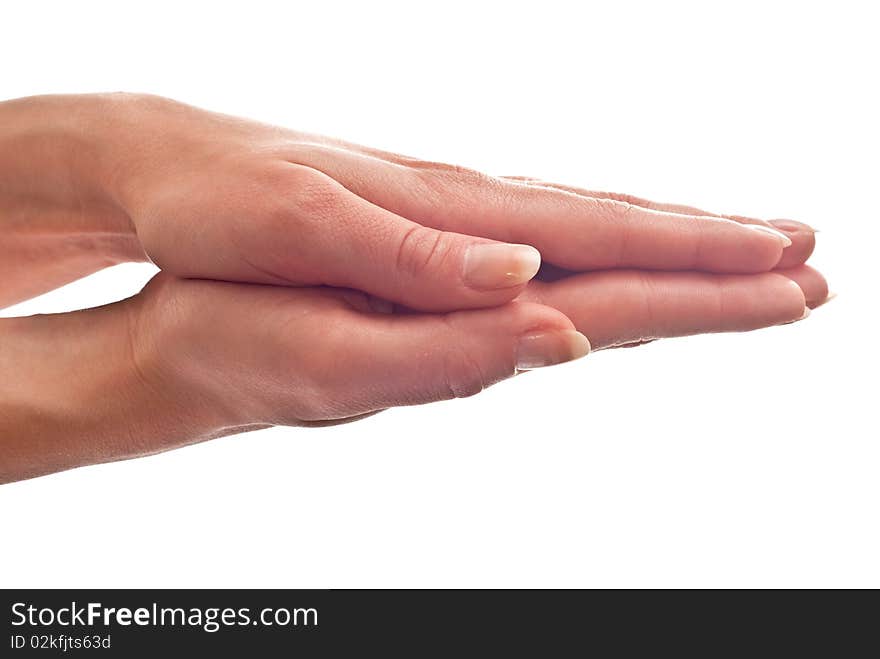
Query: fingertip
(546, 336)
(540, 349)
(442, 271)
(780, 236)
(803, 242)
(765, 253)
(492, 266)
(427, 357)
(492, 274)
(811, 283)
(792, 304)
(792, 226)
(743, 248)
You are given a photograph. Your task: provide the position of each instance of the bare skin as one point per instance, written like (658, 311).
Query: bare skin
(262, 235)
(91, 180)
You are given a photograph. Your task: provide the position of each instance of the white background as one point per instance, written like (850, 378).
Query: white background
(734, 460)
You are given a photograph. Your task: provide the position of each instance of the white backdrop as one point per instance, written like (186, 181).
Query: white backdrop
(734, 460)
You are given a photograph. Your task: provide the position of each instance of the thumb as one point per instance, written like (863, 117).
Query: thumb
(433, 270)
(421, 358)
(374, 250)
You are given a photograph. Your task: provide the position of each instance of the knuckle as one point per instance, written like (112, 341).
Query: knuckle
(653, 324)
(722, 295)
(698, 244)
(312, 193)
(624, 211)
(295, 193)
(290, 209)
(421, 250)
(444, 181)
(613, 210)
(618, 219)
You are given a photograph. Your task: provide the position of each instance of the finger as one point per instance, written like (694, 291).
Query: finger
(802, 236)
(681, 209)
(570, 230)
(618, 307)
(420, 358)
(811, 282)
(324, 234)
(803, 242)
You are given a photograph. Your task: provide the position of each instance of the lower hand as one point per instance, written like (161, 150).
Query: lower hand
(189, 360)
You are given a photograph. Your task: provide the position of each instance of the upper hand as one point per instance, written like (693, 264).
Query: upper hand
(217, 197)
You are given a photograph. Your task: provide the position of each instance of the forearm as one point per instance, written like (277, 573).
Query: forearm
(58, 216)
(73, 393)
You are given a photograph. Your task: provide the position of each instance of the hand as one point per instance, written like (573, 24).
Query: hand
(198, 359)
(229, 199)
(280, 355)
(211, 196)
(189, 360)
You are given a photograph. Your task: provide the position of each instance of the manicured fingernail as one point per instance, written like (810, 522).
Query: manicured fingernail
(806, 313)
(786, 241)
(792, 226)
(548, 348)
(489, 266)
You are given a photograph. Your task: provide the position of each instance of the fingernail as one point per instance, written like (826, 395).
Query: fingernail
(489, 266)
(786, 241)
(792, 226)
(806, 313)
(548, 348)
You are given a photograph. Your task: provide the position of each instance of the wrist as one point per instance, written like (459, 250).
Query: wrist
(57, 160)
(74, 392)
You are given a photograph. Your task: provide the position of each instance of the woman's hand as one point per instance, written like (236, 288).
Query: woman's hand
(212, 196)
(188, 360)
(91, 181)
(288, 356)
